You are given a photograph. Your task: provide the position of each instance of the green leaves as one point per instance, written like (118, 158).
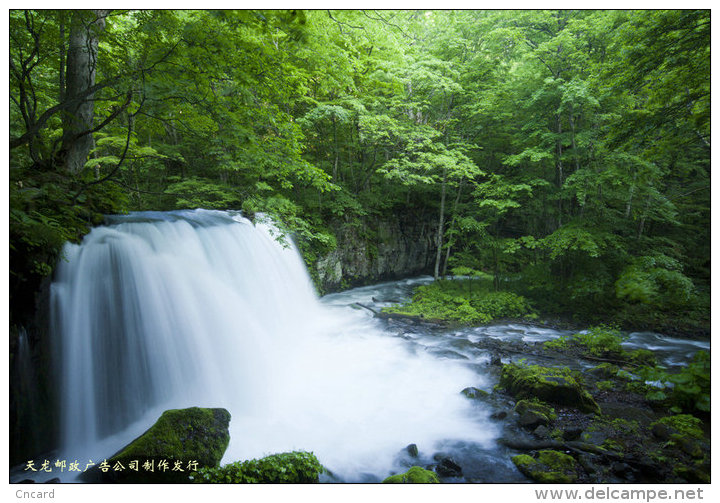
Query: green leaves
(686, 390)
(573, 238)
(297, 467)
(655, 280)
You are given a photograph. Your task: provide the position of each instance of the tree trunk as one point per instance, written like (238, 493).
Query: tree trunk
(559, 167)
(452, 225)
(574, 146)
(80, 76)
(441, 220)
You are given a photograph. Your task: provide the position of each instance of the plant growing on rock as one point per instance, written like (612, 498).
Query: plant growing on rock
(687, 390)
(561, 386)
(296, 467)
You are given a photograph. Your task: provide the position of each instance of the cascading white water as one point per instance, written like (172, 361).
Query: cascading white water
(203, 308)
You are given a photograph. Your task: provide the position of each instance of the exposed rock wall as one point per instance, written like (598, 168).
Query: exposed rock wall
(390, 249)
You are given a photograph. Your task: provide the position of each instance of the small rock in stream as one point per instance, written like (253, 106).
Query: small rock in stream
(446, 467)
(412, 450)
(499, 415)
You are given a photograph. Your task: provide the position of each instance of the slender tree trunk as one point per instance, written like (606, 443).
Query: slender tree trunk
(441, 221)
(452, 224)
(572, 138)
(559, 167)
(85, 28)
(337, 153)
(628, 206)
(496, 258)
(641, 225)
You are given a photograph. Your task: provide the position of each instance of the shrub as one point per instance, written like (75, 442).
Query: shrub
(687, 390)
(451, 301)
(296, 467)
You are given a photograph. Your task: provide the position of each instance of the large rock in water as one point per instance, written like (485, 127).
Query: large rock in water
(181, 441)
(554, 385)
(415, 475)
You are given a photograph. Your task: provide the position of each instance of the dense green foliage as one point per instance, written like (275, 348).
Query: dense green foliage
(687, 390)
(295, 467)
(564, 153)
(465, 302)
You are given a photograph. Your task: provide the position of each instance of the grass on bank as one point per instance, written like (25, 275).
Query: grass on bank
(465, 301)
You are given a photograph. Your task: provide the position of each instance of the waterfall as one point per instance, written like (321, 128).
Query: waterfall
(203, 308)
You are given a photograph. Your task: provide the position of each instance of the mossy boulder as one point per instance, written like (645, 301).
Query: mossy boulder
(415, 475)
(475, 393)
(682, 432)
(680, 424)
(551, 467)
(181, 441)
(605, 371)
(534, 413)
(555, 385)
(297, 467)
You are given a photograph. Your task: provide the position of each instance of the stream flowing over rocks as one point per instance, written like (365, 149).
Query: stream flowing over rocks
(608, 433)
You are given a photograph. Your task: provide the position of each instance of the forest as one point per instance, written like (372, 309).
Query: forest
(556, 162)
(563, 155)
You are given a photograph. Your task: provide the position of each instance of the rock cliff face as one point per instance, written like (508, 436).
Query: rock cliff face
(392, 249)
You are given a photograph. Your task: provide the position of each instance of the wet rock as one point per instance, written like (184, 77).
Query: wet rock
(555, 385)
(471, 392)
(572, 433)
(534, 413)
(499, 415)
(596, 437)
(194, 437)
(587, 464)
(629, 412)
(549, 466)
(447, 467)
(604, 371)
(54, 480)
(415, 475)
(496, 361)
(412, 450)
(541, 431)
(662, 431)
(448, 353)
(624, 471)
(691, 447)
(531, 419)
(693, 474)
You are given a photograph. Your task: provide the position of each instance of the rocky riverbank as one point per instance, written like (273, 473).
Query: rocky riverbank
(571, 411)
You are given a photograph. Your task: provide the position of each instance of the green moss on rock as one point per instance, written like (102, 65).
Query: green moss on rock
(549, 466)
(474, 393)
(535, 405)
(297, 467)
(188, 436)
(554, 385)
(683, 424)
(415, 475)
